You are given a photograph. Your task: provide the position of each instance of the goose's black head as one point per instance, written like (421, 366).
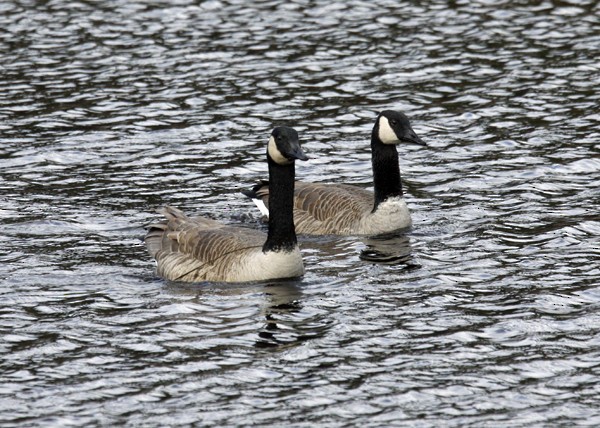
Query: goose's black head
(284, 146)
(393, 127)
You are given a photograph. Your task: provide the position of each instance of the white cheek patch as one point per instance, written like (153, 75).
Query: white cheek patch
(276, 154)
(386, 133)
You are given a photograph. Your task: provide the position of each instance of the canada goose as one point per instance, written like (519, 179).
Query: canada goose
(341, 209)
(200, 249)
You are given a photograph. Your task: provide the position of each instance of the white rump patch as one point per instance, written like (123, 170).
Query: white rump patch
(261, 206)
(276, 154)
(386, 133)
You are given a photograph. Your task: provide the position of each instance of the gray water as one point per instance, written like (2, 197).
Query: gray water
(487, 313)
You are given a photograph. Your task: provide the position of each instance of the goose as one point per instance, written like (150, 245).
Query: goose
(342, 209)
(197, 249)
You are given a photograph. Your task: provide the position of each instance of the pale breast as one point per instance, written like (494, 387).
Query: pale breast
(257, 265)
(390, 216)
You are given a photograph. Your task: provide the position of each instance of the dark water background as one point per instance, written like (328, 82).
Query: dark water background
(486, 314)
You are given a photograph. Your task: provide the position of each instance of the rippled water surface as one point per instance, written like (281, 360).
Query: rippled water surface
(487, 313)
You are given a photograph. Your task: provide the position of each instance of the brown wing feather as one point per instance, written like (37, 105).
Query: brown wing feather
(324, 208)
(192, 249)
(329, 208)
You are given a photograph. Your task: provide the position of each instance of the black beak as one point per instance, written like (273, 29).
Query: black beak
(414, 138)
(297, 153)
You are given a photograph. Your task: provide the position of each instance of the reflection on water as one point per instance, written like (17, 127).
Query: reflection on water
(280, 319)
(387, 250)
(485, 313)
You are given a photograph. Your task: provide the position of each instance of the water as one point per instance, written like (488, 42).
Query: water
(487, 313)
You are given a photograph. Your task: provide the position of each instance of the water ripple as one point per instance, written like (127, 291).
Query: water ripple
(486, 313)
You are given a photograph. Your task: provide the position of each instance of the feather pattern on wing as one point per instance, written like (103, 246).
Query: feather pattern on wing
(340, 209)
(330, 208)
(325, 208)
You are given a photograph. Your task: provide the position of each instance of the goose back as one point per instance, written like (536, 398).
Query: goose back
(321, 209)
(340, 209)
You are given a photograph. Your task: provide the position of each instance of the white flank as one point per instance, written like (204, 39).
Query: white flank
(386, 133)
(276, 154)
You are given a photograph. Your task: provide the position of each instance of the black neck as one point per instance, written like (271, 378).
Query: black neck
(282, 234)
(386, 171)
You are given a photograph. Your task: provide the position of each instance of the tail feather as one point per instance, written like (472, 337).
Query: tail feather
(172, 213)
(154, 237)
(156, 231)
(255, 192)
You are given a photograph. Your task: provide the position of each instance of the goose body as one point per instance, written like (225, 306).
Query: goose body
(342, 209)
(195, 249)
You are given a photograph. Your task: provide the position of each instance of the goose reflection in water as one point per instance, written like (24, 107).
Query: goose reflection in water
(282, 301)
(279, 318)
(388, 249)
